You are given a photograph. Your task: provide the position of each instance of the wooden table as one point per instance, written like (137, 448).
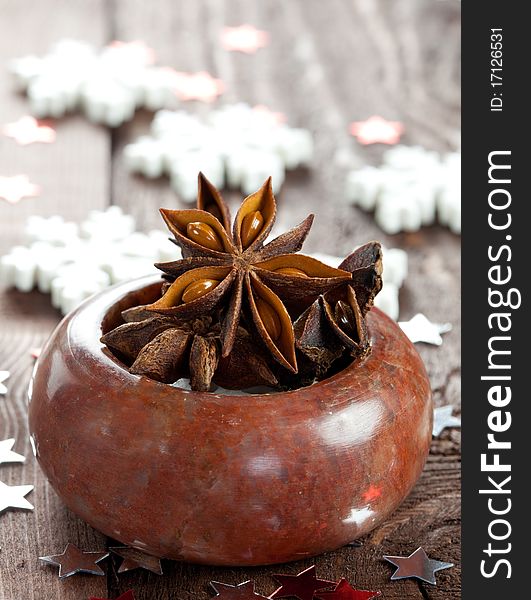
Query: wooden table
(328, 63)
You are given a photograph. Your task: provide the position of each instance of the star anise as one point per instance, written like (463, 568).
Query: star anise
(167, 348)
(267, 281)
(335, 322)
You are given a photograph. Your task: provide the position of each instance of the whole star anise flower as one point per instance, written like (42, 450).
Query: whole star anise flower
(167, 348)
(265, 280)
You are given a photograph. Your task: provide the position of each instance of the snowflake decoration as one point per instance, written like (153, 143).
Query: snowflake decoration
(413, 187)
(27, 130)
(245, 38)
(71, 262)
(395, 265)
(108, 85)
(235, 146)
(13, 189)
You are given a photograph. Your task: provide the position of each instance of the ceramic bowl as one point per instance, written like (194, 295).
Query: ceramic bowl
(219, 479)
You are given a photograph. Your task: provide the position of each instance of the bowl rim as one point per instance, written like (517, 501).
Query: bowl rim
(97, 308)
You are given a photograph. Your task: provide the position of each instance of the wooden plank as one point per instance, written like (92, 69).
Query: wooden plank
(74, 175)
(330, 63)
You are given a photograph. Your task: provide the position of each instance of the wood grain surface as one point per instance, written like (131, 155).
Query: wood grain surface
(328, 63)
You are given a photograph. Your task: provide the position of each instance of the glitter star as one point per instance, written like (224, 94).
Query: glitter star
(344, 591)
(135, 559)
(244, 38)
(129, 595)
(442, 418)
(7, 455)
(274, 117)
(73, 560)
(4, 375)
(197, 86)
(242, 591)
(13, 189)
(421, 329)
(417, 565)
(300, 586)
(376, 130)
(137, 52)
(12, 496)
(27, 130)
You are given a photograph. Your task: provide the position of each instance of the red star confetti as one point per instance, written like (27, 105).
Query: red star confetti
(129, 595)
(242, 591)
(376, 130)
(35, 353)
(302, 586)
(344, 591)
(416, 565)
(274, 117)
(14, 188)
(137, 52)
(27, 130)
(244, 38)
(197, 86)
(73, 560)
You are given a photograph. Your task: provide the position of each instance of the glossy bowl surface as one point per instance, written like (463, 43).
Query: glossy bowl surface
(226, 480)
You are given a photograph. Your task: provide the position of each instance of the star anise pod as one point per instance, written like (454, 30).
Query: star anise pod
(167, 348)
(233, 269)
(335, 322)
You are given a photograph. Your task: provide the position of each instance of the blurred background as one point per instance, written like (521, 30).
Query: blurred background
(315, 68)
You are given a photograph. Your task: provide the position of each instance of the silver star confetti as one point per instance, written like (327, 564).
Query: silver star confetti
(7, 455)
(421, 329)
(12, 496)
(4, 375)
(135, 559)
(73, 560)
(416, 565)
(242, 591)
(442, 418)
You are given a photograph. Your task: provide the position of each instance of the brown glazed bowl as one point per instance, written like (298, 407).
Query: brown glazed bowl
(226, 480)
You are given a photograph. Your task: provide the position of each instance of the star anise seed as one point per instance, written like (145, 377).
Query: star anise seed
(267, 280)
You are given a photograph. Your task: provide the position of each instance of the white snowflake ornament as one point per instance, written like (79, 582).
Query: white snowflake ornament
(235, 146)
(107, 85)
(413, 187)
(71, 262)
